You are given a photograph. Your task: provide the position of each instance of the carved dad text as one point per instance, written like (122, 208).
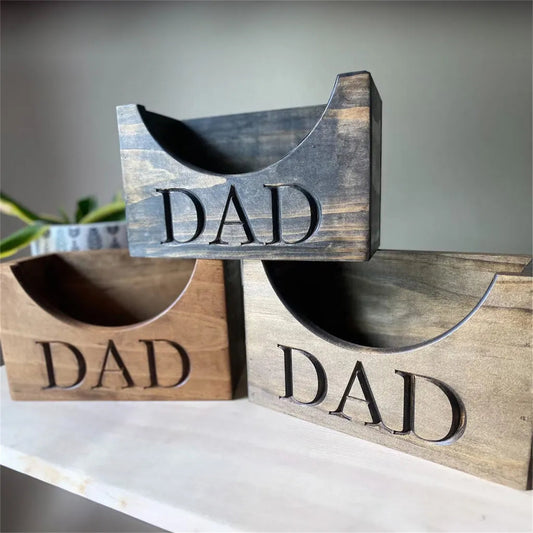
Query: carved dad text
(233, 199)
(458, 418)
(113, 363)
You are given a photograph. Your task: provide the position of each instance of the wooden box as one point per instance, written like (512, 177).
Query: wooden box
(299, 183)
(105, 326)
(428, 353)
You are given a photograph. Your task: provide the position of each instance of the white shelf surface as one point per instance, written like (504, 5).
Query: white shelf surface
(235, 466)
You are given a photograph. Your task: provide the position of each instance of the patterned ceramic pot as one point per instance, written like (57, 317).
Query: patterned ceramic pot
(77, 237)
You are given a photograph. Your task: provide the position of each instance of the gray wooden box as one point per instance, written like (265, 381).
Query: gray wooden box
(300, 183)
(425, 352)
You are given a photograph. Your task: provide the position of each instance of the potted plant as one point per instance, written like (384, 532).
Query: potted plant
(91, 228)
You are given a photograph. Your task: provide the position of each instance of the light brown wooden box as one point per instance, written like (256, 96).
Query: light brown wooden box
(360, 339)
(120, 328)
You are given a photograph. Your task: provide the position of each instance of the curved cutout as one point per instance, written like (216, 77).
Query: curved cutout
(107, 288)
(233, 144)
(397, 301)
(237, 144)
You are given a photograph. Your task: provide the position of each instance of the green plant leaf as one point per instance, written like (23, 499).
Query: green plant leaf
(118, 197)
(64, 217)
(21, 239)
(50, 219)
(8, 206)
(108, 212)
(85, 206)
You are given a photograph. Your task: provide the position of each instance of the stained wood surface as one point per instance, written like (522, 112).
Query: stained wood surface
(141, 326)
(330, 153)
(463, 320)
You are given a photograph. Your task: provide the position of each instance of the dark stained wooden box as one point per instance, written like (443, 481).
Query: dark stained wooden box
(105, 326)
(299, 183)
(428, 353)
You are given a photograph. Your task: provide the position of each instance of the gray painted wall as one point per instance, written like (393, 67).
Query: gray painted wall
(455, 79)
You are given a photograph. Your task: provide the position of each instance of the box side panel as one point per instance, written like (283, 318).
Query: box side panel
(375, 162)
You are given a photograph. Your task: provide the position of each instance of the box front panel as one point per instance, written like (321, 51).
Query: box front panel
(311, 203)
(181, 354)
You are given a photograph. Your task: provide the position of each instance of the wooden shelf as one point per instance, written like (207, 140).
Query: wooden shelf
(233, 465)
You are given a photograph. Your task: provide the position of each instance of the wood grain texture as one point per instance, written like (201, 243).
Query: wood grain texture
(322, 163)
(460, 320)
(116, 328)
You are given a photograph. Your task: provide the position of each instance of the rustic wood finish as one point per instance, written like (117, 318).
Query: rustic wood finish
(289, 184)
(164, 320)
(462, 321)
